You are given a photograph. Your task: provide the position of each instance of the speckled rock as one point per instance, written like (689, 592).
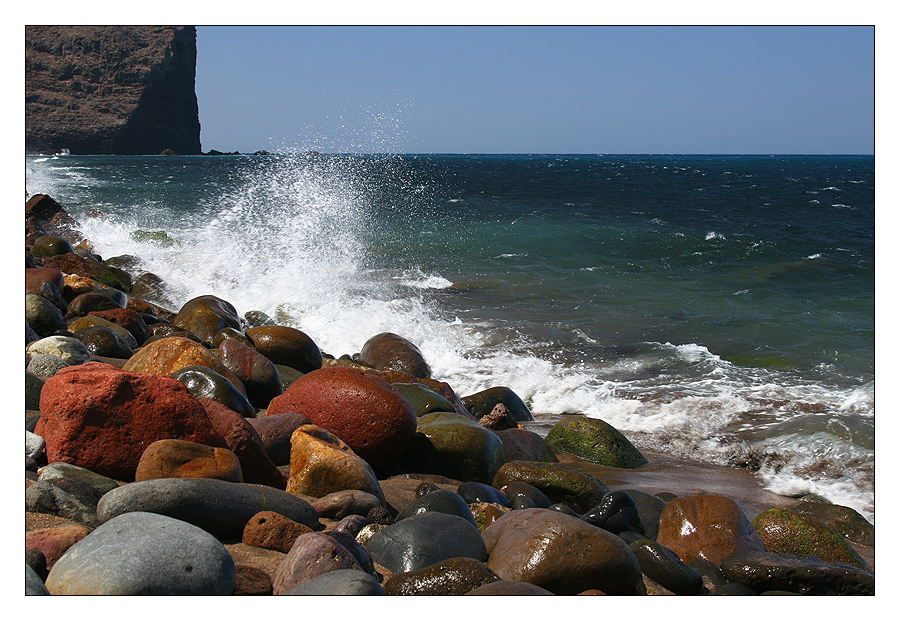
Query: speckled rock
(450, 444)
(786, 532)
(391, 352)
(220, 507)
(45, 365)
(706, 526)
(571, 487)
(53, 542)
(258, 373)
(203, 382)
(423, 540)
(34, 445)
(767, 571)
(67, 498)
(287, 346)
(322, 464)
(165, 459)
(313, 554)
(272, 531)
(594, 440)
(338, 582)
(206, 315)
(62, 470)
(560, 553)
(169, 354)
(359, 408)
(455, 576)
(70, 349)
(144, 554)
(481, 403)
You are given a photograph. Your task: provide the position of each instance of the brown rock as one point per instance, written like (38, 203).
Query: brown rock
(54, 541)
(312, 554)
(288, 346)
(560, 553)
(273, 531)
(242, 439)
(442, 388)
(104, 274)
(257, 372)
(322, 464)
(390, 352)
(36, 276)
(523, 445)
(251, 581)
(706, 526)
(498, 419)
(338, 505)
(361, 409)
(275, 432)
(455, 576)
(206, 315)
(101, 418)
(170, 459)
(127, 318)
(169, 354)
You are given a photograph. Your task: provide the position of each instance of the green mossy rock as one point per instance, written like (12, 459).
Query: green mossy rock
(848, 522)
(568, 486)
(786, 532)
(594, 440)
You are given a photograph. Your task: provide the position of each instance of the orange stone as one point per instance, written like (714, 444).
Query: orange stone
(167, 355)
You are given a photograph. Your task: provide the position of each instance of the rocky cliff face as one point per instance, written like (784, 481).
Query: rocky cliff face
(125, 90)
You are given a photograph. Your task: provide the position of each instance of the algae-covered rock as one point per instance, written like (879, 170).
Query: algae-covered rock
(848, 522)
(568, 486)
(786, 532)
(422, 399)
(594, 440)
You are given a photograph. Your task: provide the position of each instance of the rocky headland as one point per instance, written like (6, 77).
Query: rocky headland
(123, 90)
(199, 450)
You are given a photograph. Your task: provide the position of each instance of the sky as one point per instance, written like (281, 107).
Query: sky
(537, 89)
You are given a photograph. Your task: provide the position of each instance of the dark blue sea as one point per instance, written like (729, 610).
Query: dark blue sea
(717, 308)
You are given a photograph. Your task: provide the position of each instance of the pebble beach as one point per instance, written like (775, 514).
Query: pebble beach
(208, 450)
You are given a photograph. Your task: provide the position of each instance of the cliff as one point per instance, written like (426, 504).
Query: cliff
(126, 90)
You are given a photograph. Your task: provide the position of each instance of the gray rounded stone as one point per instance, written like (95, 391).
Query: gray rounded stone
(42, 316)
(144, 554)
(68, 498)
(339, 582)
(222, 508)
(62, 470)
(34, 445)
(45, 365)
(70, 349)
(33, 583)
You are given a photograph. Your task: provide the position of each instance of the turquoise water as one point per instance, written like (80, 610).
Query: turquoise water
(718, 308)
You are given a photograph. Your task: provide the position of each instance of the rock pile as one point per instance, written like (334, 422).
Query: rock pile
(213, 453)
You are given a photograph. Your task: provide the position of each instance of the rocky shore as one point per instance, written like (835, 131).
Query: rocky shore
(201, 450)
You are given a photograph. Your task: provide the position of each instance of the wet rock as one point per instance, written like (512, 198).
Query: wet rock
(665, 568)
(422, 399)
(509, 587)
(359, 408)
(472, 491)
(172, 353)
(425, 487)
(390, 352)
(519, 489)
(706, 526)
(272, 531)
(455, 576)
(206, 315)
(287, 346)
(166, 459)
(220, 507)
(35, 277)
(313, 554)
(486, 513)
(593, 440)
(571, 487)
(127, 318)
(561, 554)
(255, 318)
(338, 582)
(615, 513)
(498, 419)
(786, 532)
(87, 267)
(232, 334)
(144, 554)
(481, 403)
(203, 382)
(338, 505)
(848, 522)
(62, 470)
(258, 373)
(101, 418)
(454, 446)
(97, 300)
(767, 571)
(275, 431)
(50, 246)
(442, 501)
(49, 291)
(55, 541)
(101, 341)
(81, 323)
(68, 348)
(423, 540)
(43, 317)
(322, 464)
(649, 508)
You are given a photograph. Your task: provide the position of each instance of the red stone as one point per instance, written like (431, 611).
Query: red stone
(53, 542)
(358, 407)
(102, 418)
(272, 531)
(36, 276)
(127, 318)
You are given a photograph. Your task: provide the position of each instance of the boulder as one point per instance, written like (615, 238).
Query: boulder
(523, 445)
(615, 513)
(33, 388)
(203, 382)
(472, 491)
(560, 553)
(169, 354)
(103, 342)
(450, 444)
(101, 418)
(220, 507)
(67, 498)
(322, 464)
(44, 365)
(568, 486)
(482, 403)
(206, 315)
(593, 440)
(36, 276)
(272, 531)
(313, 554)
(422, 399)
(853, 526)
(509, 587)
(518, 491)
(256, 372)
(768, 571)
(786, 532)
(649, 508)
(68, 348)
(50, 246)
(455, 576)
(166, 459)
(486, 513)
(275, 431)
(706, 526)
(390, 352)
(43, 317)
(81, 323)
(107, 275)
(97, 300)
(144, 554)
(359, 408)
(288, 346)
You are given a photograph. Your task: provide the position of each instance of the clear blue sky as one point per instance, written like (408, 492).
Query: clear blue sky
(580, 89)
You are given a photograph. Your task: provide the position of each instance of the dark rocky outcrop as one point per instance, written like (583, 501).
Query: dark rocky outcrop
(125, 90)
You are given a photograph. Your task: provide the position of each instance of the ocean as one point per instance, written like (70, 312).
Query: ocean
(715, 308)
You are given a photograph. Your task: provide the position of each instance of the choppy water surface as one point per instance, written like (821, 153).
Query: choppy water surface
(716, 308)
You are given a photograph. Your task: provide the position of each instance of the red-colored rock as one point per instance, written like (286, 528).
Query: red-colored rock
(53, 542)
(127, 318)
(272, 531)
(102, 418)
(242, 439)
(257, 372)
(706, 526)
(181, 459)
(36, 276)
(358, 407)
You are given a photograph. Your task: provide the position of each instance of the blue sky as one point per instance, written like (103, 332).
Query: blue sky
(537, 89)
